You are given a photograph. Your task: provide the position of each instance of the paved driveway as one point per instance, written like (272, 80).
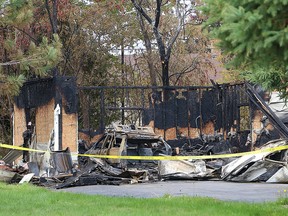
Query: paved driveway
(248, 192)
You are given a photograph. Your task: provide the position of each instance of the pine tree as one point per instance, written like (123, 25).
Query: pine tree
(255, 32)
(23, 53)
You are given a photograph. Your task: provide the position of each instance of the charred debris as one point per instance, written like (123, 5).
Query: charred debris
(220, 119)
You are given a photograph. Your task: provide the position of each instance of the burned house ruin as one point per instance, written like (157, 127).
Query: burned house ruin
(187, 120)
(49, 107)
(223, 117)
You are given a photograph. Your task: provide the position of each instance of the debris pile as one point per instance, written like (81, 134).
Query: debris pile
(121, 140)
(181, 169)
(266, 166)
(55, 168)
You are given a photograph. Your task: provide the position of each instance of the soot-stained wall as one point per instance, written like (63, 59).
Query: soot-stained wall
(195, 112)
(199, 114)
(36, 103)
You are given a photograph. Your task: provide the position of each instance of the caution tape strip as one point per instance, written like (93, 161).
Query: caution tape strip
(266, 150)
(20, 148)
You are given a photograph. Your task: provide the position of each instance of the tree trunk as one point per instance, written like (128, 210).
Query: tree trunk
(165, 72)
(147, 43)
(52, 16)
(152, 73)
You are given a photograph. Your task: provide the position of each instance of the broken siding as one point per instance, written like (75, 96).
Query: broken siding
(265, 131)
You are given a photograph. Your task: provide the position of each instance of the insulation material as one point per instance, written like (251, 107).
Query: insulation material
(84, 136)
(170, 133)
(159, 131)
(19, 125)
(44, 122)
(184, 169)
(208, 128)
(183, 132)
(194, 132)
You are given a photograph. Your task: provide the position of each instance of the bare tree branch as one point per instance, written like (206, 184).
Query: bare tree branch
(147, 43)
(186, 69)
(157, 13)
(142, 12)
(178, 29)
(29, 35)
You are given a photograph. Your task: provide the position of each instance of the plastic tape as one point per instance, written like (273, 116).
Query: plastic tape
(267, 150)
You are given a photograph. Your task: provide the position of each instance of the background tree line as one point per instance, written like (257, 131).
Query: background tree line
(140, 42)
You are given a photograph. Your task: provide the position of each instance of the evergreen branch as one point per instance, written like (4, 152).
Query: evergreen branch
(10, 63)
(29, 35)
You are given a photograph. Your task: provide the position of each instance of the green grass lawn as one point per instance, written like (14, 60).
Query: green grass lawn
(31, 200)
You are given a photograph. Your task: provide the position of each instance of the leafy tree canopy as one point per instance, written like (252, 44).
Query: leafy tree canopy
(255, 32)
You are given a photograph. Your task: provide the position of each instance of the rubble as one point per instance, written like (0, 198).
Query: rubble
(100, 172)
(266, 166)
(121, 140)
(131, 141)
(181, 169)
(55, 169)
(6, 175)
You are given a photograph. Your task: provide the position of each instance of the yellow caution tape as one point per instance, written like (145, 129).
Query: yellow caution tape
(279, 148)
(20, 148)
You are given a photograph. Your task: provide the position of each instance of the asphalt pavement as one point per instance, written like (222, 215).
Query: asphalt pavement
(229, 191)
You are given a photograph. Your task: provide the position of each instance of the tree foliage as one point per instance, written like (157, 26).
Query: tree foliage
(24, 53)
(101, 42)
(176, 49)
(164, 38)
(255, 32)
